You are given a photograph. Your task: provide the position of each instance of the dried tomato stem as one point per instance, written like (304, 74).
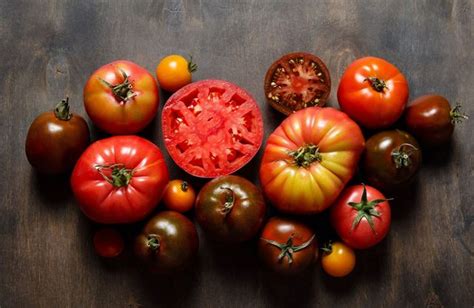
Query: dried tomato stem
(229, 201)
(153, 241)
(456, 115)
(401, 155)
(377, 84)
(61, 111)
(123, 91)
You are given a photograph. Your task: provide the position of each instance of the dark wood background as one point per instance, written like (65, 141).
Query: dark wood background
(49, 48)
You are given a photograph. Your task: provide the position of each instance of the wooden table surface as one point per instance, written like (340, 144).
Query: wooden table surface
(48, 50)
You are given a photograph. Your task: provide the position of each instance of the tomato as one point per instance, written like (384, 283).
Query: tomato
(309, 159)
(168, 242)
(212, 128)
(287, 246)
(338, 259)
(431, 119)
(361, 216)
(121, 97)
(230, 209)
(56, 139)
(296, 81)
(174, 72)
(179, 196)
(373, 92)
(392, 159)
(119, 179)
(108, 242)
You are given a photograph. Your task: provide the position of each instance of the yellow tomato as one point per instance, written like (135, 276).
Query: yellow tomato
(179, 196)
(339, 261)
(174, 71)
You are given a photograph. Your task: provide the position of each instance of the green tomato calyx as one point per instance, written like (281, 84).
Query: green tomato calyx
(456, 115)
(61, 111)
(122, 91)
(192, 67)
(119, 175)
(288, 249)
(377, 84)
(304, 156)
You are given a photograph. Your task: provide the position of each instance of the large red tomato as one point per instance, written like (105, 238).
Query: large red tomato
(212, 128)
(373, 92)
(119, 179)
(309, 159)
(121, 97)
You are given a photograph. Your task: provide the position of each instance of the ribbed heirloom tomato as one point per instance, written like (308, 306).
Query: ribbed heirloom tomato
(309, 159)
(119, 179)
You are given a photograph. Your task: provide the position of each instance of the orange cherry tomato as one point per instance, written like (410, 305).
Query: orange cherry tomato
(179, 196)
(108, 242)
(338, 259)
(174, 71)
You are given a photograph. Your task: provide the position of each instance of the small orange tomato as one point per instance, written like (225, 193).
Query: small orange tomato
(179, 196)
(174, 71)
(108, 242)
(338, 259)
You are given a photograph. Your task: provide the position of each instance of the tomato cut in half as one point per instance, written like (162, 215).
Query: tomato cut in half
(296, 81)
(212, 128)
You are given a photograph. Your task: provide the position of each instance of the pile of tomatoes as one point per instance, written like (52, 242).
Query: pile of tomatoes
(212, 128)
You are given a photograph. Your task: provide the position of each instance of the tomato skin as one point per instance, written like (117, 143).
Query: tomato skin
(53, 145)
(362, 102)
(281, 230)
(118, 115)
(106, 203)
(175, 245)
(173, 73)
(179, 196)
(297, 189)
(379, 165)
(108, 243)
(343, 215)
(340, 261)
(238, 223)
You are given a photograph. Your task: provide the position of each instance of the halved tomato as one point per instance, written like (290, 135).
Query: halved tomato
(296, 81)
(212, 128)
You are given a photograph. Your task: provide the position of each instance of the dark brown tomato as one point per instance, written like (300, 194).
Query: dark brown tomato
(296, 81)
(392, 159)
(230, 209)
(287, 246)
(431, 119)
(168, 242)
(56, 139)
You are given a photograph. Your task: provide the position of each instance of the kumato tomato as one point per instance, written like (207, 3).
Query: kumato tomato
(338, 259)
(212, 128)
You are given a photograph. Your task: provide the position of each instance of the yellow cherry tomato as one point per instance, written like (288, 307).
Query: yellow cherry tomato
(179, 196)
(174, 71)
(338, 259)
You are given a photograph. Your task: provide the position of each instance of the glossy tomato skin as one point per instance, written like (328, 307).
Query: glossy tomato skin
(281, 230)
(108, 243)
(339, 261)
(129, 112)
(230, 209)
(342, 215)
(54, 145)
(298, 189)
(168, 242)
(371, 106)
(429, 118)
(106, 202)
(179, 196)
(379, 164)
(174, 72)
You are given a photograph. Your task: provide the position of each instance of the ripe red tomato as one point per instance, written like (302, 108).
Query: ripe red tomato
(119, 179)
(230, 209)
(361, 216)
(309, 159)
(296, 81)
(212, 128)
(179, 196)
(121, 97)
(108, 242)
(174, 72)
(287, 246)
(431, 119)
(373, 92)
(168, 242)
(56, 139)
(338, 259)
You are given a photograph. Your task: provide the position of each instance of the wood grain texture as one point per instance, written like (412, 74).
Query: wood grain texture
(48, 50)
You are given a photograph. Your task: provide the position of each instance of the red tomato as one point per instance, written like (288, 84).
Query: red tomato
(373, 92)
(361, 216)
(108, 243)
(212, 128)
(119, 179)
(309, 159)
(121, 97)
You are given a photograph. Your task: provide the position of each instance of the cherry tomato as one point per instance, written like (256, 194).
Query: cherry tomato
(338, 259)
(179, 196)
(108, 242)
(174, 71)
(431, 119)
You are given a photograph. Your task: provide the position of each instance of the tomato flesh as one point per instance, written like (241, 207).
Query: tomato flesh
(212, 128)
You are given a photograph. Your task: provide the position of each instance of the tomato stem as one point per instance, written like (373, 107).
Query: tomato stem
(287, 249)
(377, 84)
(122, 91)
(456, 115)
(229, 201)
(120, 176)
(327, 248)
(153, 242)
(184, 186)
(401, 155)
(304, 156)
(61, 111)
(192, 67)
